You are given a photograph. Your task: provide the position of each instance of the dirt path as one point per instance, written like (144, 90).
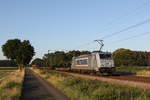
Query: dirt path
(35, 88)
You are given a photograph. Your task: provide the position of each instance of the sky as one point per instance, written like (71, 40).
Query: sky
(74, 24)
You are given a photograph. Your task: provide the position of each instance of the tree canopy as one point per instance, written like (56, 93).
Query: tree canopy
(61, 58)
(126, 57)
(7, 63)
(122, 57)
(19, 51)
(38, 62)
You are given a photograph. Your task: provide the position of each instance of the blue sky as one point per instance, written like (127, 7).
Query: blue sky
(67, 24)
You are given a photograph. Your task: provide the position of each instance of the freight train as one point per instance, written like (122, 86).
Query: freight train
(95, 62)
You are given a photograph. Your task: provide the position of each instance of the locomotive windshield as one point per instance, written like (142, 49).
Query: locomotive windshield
(105, 56)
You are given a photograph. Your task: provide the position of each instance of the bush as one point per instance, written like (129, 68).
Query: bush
(53, 72)
(104, 94)
(11, 84)
(97, 90)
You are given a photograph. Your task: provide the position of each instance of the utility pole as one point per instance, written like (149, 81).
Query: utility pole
(100, 42)
(49, 51)
(48, 57)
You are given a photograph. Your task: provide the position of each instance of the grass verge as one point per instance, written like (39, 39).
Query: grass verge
(11, 86)
(83, 89)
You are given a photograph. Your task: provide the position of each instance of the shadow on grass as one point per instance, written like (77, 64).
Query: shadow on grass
(123, 73)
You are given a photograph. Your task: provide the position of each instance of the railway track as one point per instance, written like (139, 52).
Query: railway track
(127, 77)
(134, 81)
(131, 80)
(119, 77)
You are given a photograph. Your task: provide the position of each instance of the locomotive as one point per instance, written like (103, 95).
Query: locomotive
(95, 62)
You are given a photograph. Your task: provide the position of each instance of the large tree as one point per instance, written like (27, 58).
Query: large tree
(38, 62)
(19, 51)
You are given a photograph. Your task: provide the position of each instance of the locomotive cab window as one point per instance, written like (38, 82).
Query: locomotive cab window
(105, 56)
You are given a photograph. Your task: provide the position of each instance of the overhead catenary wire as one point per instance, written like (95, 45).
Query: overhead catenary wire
(121, 40)
(131, 37)
(118, 32)
(134, 11)
(126, 29)
(123, 30)
(82, 45)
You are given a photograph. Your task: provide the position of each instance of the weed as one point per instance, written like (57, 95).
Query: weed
(10, 87)
(11, 84)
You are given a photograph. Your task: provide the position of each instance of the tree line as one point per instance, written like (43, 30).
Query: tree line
(127, 57)
(122, 57)
(7, 63)
(21, 52)
(58, 58)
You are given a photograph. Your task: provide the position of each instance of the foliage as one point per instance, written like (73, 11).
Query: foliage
(61, 58)
(122, 57)
(11, 84)
(7, 63)
(8, 68)
(52, 72)
(83, 89)
(104, 94)
(20, 51)
(38, 62)
(126, 57)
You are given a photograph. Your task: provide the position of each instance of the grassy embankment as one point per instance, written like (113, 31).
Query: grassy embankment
(10, 83)
(138, 70)
(83, 89)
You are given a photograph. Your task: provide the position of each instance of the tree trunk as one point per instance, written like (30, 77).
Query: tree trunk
(21, 66)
